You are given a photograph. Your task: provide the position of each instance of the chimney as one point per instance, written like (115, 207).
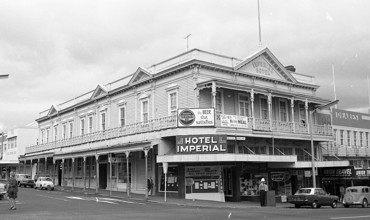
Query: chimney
(290, 68)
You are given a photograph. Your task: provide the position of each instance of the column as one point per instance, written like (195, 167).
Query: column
(306, 109)
(97, 173)
(62, 179)
(146, 150)
(128, 173)
(252, 106)
(292, 110)
(73, 173)
(84, 173)
(269, 104)
(24, 166)
(110, 173)
(214, 93)
(53, 171)
(45, 164)
(38, 167)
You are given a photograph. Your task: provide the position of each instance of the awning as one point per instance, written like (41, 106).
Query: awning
(181, 158)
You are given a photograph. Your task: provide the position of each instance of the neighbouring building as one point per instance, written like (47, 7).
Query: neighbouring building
(351, 143)
(202, 125)
(13, 144)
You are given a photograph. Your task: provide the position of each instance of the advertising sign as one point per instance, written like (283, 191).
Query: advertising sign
(196, 117)
(236, 121)
(203, 171)
(350, 119)
(362, 172)
(196, 144)
(339, 172)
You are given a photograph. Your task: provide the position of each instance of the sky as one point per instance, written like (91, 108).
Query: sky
(56, 50)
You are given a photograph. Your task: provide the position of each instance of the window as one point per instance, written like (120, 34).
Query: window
(367, 139)
(264, 108)
(172, 103)
(47, 135)
(145, 111)
(90, 124)
(79, 166)
(70, 129)
(349, 138)
(355, 138)
(102, 120)
(283, 110)
(82, 126)
(42, 136)
(122, 116)
(341, 137)
(55, 133)
(64, 131)
(219, 102)
(302, 112)
(361, 140)
(243, 105)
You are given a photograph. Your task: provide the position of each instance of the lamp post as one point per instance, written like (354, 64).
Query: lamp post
(320, 107)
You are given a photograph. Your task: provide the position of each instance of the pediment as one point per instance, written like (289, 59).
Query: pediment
(52, 110)
(264, 64)
(99, 91)
(141, 74)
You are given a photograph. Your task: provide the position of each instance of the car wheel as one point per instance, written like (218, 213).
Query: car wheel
(314, 204)
(297, 206)
(52, 189)
(49, 188)
(346, 206)
(334, 204)
(364, 203)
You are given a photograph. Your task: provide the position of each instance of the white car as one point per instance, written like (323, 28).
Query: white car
(44, 183)
(2, 190)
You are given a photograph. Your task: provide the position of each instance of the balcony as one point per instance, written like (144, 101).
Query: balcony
(222, 120)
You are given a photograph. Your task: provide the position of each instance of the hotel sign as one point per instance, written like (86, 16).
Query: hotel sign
(196, 117)
(200, 144)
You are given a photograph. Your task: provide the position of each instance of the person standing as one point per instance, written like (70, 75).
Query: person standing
(150, 186)
(12, 191)
(342, 190)
(262, 188)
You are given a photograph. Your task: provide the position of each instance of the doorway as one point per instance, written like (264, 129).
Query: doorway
(60, 167)
(103, 176)
(228, 183)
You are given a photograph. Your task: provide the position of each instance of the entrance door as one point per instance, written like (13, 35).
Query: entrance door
(228, 183)
(60, 167)
(103, 176)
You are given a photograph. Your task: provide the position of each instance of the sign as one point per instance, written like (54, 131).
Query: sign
(195, 144)
(362, 172)
(196, 117)
(350, 119)
(232, 138)
(235, 121)
(339, 172)
(206, 171)
(116, 160)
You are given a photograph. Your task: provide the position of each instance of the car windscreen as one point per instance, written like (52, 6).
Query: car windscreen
(45, 179)
(303, 191)
(352, 190)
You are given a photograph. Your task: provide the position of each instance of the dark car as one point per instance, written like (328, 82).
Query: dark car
(314, 197)
(24, 180)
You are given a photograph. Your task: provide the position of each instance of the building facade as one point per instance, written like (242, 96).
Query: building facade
(13, 144)
(351, 143)
(201, 125)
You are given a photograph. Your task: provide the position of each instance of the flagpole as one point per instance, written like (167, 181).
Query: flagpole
(368, 90)
(335, 92)
(259, 24)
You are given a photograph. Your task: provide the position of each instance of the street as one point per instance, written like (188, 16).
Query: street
(41, 204)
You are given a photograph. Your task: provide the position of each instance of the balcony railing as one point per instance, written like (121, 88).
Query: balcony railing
(222, 120)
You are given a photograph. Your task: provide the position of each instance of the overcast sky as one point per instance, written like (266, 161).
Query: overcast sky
(57, 50)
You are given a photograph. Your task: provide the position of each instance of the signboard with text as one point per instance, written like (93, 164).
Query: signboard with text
(350, 119)
(339, 172)
(199, 144)
(196, 117)
(235, 121)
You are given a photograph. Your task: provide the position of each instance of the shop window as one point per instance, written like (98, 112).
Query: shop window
(79, 166)
(172, 179)
(122, 172)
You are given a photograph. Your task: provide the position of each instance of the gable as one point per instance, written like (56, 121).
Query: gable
(264, 64)
(99, 91)
(52, 110)
(141, 74)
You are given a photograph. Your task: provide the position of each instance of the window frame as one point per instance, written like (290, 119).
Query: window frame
(172, 111)
(246, 104)
(262, 109)
(285, 102)
(144, 116)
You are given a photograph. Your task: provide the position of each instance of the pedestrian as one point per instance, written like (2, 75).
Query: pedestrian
(342, 191)
(150, 186)
(263, 188)
(12, 191)
(36, 177)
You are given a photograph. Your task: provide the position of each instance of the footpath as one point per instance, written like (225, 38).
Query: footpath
(169, 200)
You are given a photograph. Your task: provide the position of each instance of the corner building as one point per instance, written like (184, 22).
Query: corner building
(201, 125)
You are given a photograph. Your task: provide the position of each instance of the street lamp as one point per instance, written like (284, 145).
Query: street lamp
(320, 107)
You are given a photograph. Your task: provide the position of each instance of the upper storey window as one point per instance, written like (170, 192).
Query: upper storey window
(103, 121)
(219, 101)
(82, 126)
(70, 129)
(302, 113)
(172, 103)
(145, 110)
(349, 138)
(55, 133)
(243, 105)
(283, 110)
(122, 116)
(64, 131)
(264, 109)
(90, 124)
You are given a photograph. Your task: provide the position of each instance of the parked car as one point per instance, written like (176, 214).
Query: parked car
(24, 180)
(44, 183)
(2, 190)
(314, 197)
(357, 195)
